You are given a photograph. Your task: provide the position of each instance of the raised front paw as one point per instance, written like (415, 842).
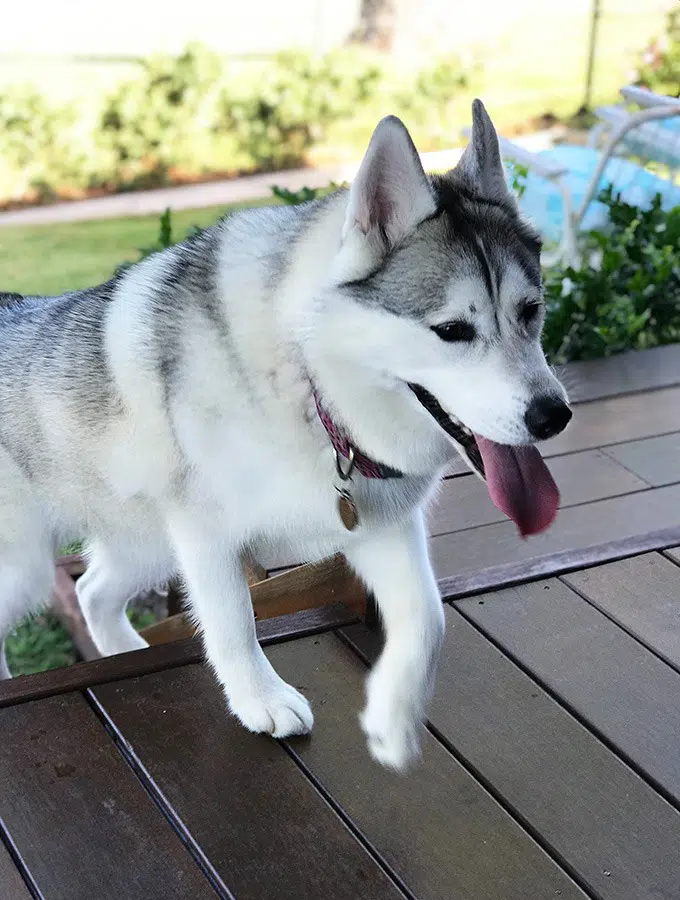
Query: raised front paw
(393, 722)
(277, 709)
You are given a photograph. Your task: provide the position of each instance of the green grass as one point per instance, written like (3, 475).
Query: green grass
(52, 259)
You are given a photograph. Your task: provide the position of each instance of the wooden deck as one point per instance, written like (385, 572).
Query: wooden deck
(550, 768)
(551, 763)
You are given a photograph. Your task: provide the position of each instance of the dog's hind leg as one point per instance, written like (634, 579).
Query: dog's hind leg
(115, 572)
(26, 551)
(24, 588)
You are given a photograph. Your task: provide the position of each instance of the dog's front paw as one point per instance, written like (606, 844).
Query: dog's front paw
(277, 709)
(393, 723)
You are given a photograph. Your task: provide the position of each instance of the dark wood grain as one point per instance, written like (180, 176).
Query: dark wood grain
(593, 811)
(12, 885)
(630, 696)
(436, 827)
(582, 477)
(576, 527)
(162, 656)
(82, 822)
(260, 822)
(656, 460)
(642, 595)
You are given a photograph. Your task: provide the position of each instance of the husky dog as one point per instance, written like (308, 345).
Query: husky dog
(293, 377)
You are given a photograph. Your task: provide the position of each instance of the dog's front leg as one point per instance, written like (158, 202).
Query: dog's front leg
(220, 601)
(394, 565)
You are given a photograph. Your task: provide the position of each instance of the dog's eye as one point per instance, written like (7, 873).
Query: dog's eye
(455, 331)
(529, 310)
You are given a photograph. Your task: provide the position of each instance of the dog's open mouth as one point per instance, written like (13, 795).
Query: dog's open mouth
(517, 478)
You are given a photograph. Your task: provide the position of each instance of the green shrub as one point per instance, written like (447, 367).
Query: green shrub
(427, 101)
(39, 643)
(163, 120)
(627, 296)
(37, 146)
(278, 118)
(292, 198)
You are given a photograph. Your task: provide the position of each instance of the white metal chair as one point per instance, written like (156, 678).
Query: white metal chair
(634, 148)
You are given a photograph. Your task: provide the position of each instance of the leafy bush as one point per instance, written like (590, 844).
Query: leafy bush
(659, 63)
(37, 644)
(628, 296)
(292, 198)
(37, 146)
(428, 100)
(163, 120)
(194, 114)
(276, 120)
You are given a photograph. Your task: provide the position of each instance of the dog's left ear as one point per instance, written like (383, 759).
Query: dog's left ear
(391, 193)
(481, 163)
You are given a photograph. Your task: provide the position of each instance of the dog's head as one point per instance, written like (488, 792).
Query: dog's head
(447, 276)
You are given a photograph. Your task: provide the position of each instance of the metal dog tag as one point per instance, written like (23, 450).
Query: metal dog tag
(347, 509)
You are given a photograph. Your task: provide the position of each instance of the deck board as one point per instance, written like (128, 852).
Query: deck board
(79, 818)
(631, 372)
(576, 527)
(625, 693)
(12, 885)
(673, 553)
(437, 828)
(655, 460)
(596, 814)
(260, 823)
(582, 477)
(618, 420)
(642, 595)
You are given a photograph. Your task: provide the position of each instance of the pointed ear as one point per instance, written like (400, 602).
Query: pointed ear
(481, 164)
(391, 193)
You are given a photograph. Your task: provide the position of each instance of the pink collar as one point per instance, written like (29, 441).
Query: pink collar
(342, 445)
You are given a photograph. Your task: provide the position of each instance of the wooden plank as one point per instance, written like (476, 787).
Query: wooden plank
(617, 420)
(576, 527)
(656, 460)
(582, 477)
(642, 595)
(602, 820)
(673, 553)
(162, 656)
(82, 822)
(437, 828)
(264, 828)
(630, 696)
(557, 563)
(630, 372)
(12, 885)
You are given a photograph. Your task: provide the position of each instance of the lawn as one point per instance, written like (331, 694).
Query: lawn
(52, 259)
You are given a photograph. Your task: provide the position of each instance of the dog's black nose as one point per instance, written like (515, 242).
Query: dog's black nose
(546, 417)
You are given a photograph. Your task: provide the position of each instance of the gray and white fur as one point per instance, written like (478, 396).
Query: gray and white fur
(168, 416)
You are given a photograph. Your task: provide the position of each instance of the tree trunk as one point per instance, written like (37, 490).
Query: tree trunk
(377, 25)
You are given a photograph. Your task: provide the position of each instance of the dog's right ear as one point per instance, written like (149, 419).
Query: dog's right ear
(389, 197)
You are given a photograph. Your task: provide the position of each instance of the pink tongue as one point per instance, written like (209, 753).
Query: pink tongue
(520, 485)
